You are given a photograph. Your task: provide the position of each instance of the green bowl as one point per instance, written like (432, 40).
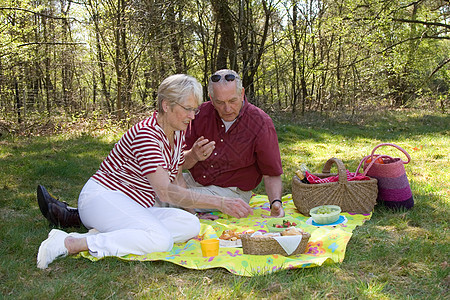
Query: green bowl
(272, 221)
(327, 218)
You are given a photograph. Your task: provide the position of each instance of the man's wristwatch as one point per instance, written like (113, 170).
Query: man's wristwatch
(276, 200)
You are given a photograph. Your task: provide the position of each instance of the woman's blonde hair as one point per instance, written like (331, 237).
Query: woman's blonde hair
(177, 88)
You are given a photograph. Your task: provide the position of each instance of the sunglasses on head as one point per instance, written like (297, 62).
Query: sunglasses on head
(228, 77)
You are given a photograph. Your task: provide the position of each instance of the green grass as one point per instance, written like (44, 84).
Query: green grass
(396, 255)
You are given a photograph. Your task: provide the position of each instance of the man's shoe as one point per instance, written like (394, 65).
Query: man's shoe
(63, 216)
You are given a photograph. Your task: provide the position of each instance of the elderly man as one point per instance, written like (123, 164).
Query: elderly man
(233, 145)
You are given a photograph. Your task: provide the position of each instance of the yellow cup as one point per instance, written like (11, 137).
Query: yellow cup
(210, 247)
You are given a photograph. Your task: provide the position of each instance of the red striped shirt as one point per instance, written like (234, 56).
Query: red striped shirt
(138, 153)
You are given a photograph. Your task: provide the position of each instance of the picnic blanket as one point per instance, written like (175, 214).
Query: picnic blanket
(326, 245)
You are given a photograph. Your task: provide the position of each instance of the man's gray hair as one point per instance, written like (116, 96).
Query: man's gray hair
(222, 80)
(177, 88)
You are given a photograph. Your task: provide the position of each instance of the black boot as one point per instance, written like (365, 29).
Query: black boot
(63, 216)
(57, 212)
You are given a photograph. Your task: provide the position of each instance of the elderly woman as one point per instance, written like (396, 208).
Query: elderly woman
(145, 165)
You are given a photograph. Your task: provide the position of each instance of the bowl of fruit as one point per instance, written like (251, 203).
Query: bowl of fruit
(325, 214)
(280, 224)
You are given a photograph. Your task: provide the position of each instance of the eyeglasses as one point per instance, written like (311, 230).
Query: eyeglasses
(189, 109)
(228, 77)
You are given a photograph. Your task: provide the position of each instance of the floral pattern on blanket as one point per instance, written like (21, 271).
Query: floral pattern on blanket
(326, 245)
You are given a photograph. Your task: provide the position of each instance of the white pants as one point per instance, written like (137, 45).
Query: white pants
(125, 227)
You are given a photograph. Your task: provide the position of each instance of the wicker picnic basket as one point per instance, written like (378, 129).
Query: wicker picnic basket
(267, 246)
(352, 196)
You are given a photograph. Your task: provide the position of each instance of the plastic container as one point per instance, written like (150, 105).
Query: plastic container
(328, 218)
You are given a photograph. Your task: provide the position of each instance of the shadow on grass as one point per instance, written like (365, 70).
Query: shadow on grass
(411, 244)
(62, 165)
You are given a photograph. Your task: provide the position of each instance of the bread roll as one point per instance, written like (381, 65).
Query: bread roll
(292, 231)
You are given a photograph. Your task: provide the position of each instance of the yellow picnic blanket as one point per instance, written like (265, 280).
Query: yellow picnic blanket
(326, 245)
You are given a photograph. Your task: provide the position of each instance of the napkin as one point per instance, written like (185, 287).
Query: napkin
(289, 243)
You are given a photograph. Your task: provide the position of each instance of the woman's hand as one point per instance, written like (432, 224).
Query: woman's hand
(203, 148)
(207, 216)
(235, 207)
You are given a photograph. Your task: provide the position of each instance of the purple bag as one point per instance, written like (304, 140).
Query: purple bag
(393, 185)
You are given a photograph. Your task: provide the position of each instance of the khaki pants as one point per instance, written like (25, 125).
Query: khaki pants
(231, 192)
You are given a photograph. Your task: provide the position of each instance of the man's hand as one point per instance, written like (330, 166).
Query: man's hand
(203, 148)
(274, 188)
(235, 207)
(277, 211)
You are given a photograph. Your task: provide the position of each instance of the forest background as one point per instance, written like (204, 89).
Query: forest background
(74, 75)
(73, 58)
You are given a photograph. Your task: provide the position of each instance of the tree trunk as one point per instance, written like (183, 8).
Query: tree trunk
(204, 42)
(295, 53)
(174, 32)
(226, 24)
(18, 102)
(254, 49)
(101, 63)
(118, 62)
(67, 69)
(127, 69)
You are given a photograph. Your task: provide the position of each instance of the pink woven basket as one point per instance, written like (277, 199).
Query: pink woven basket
(394, 190)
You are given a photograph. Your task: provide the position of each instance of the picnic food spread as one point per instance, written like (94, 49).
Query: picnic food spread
(265, 236)
(324, 210)
(285, 224)
(292, 231)
(232, 235)
(290, 241)
(287, 232)
(325, 214)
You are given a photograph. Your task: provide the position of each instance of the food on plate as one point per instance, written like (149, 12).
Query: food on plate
(285, 224)
(232, 235)
(292, 231)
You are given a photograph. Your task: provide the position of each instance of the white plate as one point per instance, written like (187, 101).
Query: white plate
(230, 244)
(342, 220)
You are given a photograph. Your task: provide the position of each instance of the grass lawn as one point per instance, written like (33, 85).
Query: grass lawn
(396, 255)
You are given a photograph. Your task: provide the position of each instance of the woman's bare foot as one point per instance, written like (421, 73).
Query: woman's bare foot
(75, 245)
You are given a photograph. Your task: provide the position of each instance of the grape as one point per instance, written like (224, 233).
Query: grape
(324, 210)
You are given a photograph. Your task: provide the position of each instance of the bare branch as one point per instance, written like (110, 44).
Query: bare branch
(402, 20)
(439, 67)
(36, 13)
(51, 43)
(422, 22)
